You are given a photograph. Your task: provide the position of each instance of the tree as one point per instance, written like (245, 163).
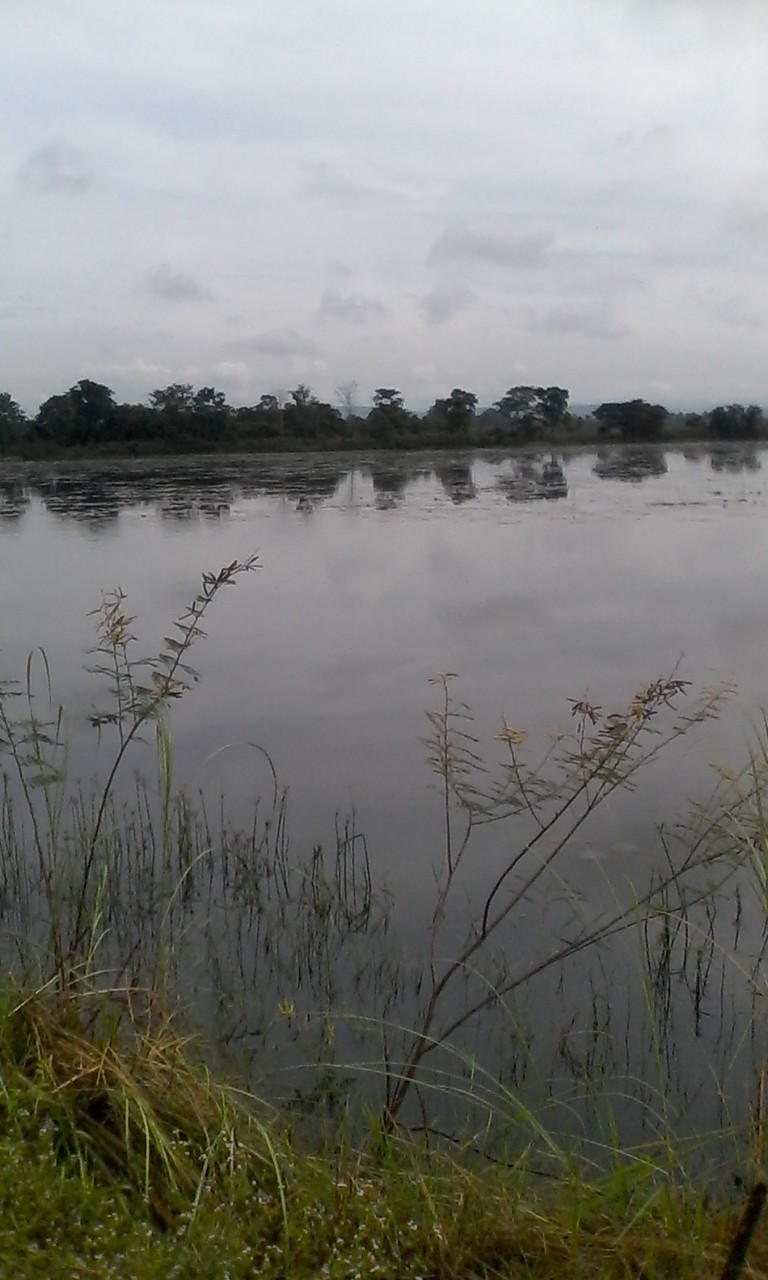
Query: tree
(734, 422)
(453, 416)
(94, 402)
(210, 419)
(13, 422)
(388, 399)
(308, 418)
(302, 396)
(533, 411)
(631, 419)
(84, 415)
(193, 419)
(209, 400)
(389, 422)
(263, 421)
(554, 406)
(178, 397)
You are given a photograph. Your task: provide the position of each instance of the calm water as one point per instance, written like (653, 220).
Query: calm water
(379, 573)
(536, 579)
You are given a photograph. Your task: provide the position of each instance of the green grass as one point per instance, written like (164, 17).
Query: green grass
(119, 1156)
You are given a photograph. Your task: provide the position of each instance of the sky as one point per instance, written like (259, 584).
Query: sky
(418, 194)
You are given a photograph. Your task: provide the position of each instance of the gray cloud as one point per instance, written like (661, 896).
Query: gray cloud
(446, 301)
(339, 187)
(498, 243)
(730, 308)
(589, 321)
(349, 308)
(278, 342)
(645, 137)
(747, 217)
(57, 167)
(236, 373)
(176, 286)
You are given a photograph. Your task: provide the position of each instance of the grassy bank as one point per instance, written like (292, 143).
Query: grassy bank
(120, 1156)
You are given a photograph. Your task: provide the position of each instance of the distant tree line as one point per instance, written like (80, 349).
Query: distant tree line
(181, 419)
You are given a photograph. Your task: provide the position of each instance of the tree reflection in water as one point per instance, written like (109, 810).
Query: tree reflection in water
(389, 483)
(534, 477)
(631, 463)
(14, 499)
(734, 459)
(457, 481)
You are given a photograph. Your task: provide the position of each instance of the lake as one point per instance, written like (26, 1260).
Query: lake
(537, 579)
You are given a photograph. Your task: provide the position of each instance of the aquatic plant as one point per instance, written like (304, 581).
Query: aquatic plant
(548, 801)
(142, 893)
(37, 748)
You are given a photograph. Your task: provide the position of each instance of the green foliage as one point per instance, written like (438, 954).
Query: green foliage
(189, 420)
(182, 419)
(13, 423)
(84, 415)
(179, 397)
(533, 412)
(631, 419)
(389, 423)
(453, 417)
(734, 422)
(307, 418)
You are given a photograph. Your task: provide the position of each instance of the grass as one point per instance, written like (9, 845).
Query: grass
(119, 1156)
(126, 1152)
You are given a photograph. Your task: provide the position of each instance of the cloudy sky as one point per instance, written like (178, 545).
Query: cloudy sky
(411, 193)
